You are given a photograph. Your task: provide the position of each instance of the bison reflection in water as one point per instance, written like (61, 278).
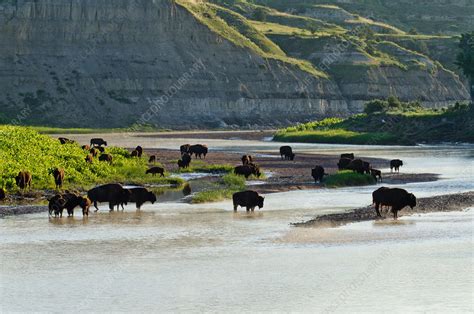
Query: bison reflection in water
(247, 199)
(395, 198)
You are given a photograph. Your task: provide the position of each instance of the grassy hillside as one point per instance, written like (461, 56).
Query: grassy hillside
(24, 149)
(407, 125)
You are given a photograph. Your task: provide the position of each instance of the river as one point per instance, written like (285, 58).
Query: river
(174, 257)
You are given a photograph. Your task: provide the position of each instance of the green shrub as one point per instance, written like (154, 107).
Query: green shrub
(348, 178)
(376, 105)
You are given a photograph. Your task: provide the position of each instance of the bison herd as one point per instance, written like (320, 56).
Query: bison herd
(117, 196)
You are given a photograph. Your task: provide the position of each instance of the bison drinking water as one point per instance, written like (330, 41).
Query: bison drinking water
(286, 152)
(113, 193)
(247, 199)
(23, 179)
(395, 164)
(140, 196)
(318, 173)
(396, 198)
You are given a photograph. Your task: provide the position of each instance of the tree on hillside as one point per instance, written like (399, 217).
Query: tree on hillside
(465, 59)
(260, 14)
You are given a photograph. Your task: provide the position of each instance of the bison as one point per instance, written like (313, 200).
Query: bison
(58, 175)
(184, 149)
(343, 163)
(89, 158)
(113, 193)
(2, 194)
(94, 152)
(139, 149)
(64, 140)
(286, 152)
(152, 159)
(247, 199)
(348, 155)
(100, 149)
(134, 153)
(98, 142)
(198, 150)
(395, 198)
(395, 164)
(140, 196)
(246, 159)
(376, 174)
(85, 147)
(106, 157)
(248, 170)
(156, 170)
(184, 161)
(23, 179)
(359, 166)
(318, 173)
(56, 205)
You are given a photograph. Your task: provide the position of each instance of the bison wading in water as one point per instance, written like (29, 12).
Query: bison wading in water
(395, 164)
(112, 193)
(396, 198)
(140, 196)
(247, 199)
(318, 173)
(286, 152)
(23, 179)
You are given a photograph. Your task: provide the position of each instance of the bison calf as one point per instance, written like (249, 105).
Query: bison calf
(247, 199)
(58, 175)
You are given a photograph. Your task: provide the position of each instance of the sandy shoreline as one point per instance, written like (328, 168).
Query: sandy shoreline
(439, 203)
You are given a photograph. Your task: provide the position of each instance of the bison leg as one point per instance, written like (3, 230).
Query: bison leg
(95, 205)
(235, 207)
(111, 207)
(248, 209)
(377, 209)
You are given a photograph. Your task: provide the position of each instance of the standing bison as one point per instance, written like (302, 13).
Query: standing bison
(248, 170)
(23, 179)
(152, 159)
(140, 196)
(58, 175)
(112, 193)
(376, 174)
(396, 198)
(318, 173)
(395, 164)
(343, 163)
(139, 149)
(184, 161)
(359, 166)
(247, 199)
(198, 150)
(286, 152)
(98, 142)
(156, 170)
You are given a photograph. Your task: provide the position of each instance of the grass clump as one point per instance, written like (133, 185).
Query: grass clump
(228, 185)
(24, 149)
(348, 178)
(201, 166)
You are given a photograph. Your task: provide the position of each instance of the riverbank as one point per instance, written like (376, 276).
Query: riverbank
(404, 125)
(441, 203)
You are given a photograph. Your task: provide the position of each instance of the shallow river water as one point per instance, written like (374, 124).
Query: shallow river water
(177, 257)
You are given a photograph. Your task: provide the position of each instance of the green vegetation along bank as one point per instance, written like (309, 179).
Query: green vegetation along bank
(388, 122)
